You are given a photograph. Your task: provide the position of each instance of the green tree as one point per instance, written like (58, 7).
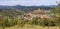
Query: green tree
(57, 12)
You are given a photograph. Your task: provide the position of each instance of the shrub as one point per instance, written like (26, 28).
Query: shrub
(34, 21)
(21, 22)
(8, 22)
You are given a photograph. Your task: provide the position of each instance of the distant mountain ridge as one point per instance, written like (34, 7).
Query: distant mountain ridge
(26, 8)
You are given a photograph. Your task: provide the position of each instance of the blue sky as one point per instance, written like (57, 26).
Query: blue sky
(28, 2)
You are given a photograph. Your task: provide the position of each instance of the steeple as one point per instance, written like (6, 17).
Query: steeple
(39, 9)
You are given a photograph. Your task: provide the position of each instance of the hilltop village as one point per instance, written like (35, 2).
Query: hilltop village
(36, 13)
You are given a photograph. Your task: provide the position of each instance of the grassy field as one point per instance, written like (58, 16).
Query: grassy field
(31, 27)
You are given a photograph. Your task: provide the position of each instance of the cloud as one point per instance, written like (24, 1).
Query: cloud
(8, 0)
(28, 2)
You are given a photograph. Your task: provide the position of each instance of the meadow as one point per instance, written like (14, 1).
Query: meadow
(31, 27)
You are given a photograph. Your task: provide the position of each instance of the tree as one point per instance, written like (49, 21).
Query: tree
(57, 12)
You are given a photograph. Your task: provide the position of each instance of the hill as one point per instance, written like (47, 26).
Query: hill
(25, 8)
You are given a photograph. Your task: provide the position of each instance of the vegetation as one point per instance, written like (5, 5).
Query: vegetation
(9, 18)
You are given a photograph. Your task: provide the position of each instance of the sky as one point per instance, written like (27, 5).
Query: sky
(28, 2)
